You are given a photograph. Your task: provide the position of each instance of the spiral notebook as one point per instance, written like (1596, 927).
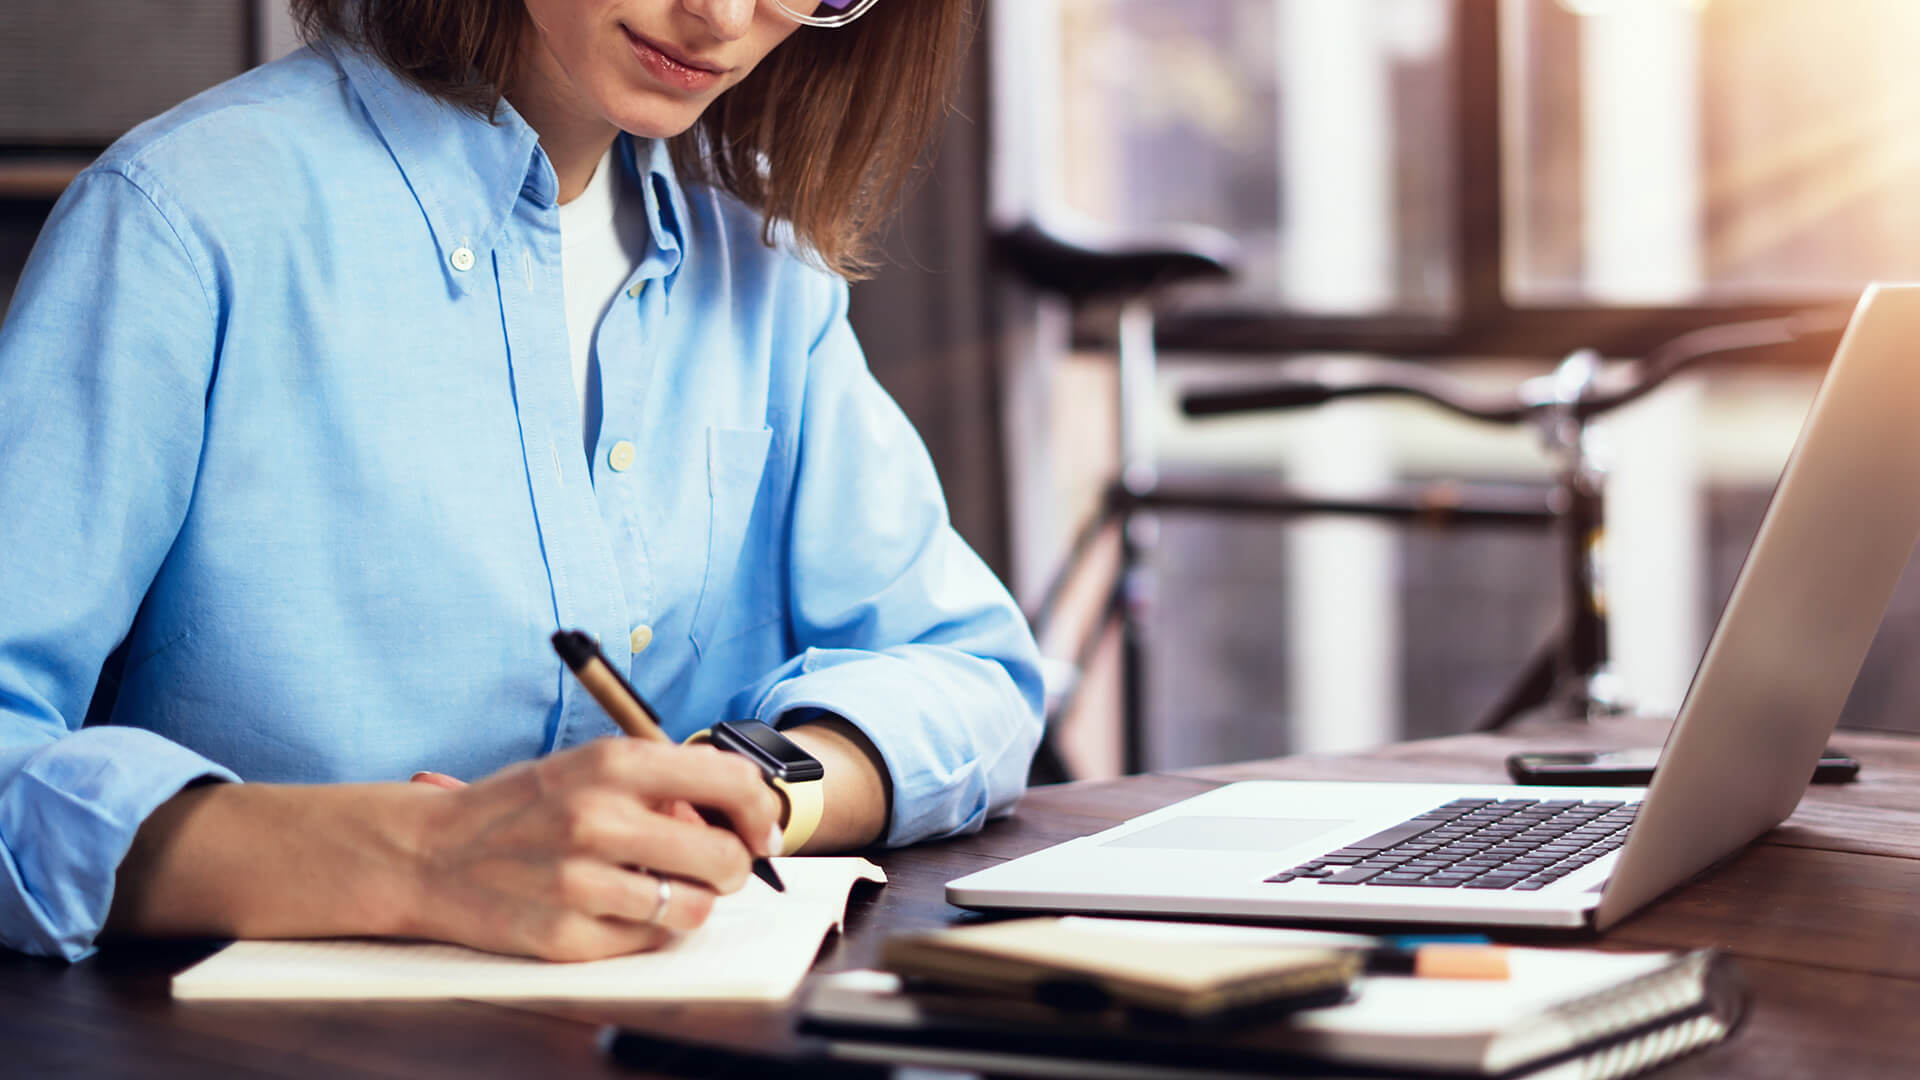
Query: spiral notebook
(1577, 1013)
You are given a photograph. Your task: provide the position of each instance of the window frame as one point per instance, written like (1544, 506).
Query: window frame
(1485, 322)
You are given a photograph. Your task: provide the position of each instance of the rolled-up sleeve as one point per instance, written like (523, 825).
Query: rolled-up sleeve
(105, 358)
(904, 631)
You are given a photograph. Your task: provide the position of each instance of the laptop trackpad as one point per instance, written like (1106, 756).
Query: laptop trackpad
(1196, 833)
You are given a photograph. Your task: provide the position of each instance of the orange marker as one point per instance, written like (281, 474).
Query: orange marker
(1439, 961)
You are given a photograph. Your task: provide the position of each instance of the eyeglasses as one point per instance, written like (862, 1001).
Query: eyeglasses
(846, 11)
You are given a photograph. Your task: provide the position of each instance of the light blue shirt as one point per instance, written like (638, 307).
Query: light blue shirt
(286, 407)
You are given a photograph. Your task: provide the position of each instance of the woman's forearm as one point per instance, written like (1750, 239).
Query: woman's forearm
(859, 790)
(269, 860)
(563, 857)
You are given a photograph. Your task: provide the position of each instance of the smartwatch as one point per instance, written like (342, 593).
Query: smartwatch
(789, 769)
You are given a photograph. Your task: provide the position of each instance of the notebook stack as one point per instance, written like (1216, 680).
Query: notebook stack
(1136, 999)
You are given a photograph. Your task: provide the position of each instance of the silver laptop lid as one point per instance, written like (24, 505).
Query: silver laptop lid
(1836, 536)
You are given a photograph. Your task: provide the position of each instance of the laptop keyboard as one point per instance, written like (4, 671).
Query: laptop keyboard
(1516, 844)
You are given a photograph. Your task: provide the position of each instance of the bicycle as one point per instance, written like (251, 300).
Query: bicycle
(1568, 671)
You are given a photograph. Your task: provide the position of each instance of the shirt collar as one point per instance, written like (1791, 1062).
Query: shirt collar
(467, 172)
(666, 202)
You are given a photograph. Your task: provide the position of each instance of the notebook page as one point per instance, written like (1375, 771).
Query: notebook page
(756, 946)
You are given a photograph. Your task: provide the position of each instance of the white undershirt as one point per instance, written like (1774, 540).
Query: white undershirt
(603, 236)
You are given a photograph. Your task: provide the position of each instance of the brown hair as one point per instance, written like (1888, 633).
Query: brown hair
(824, 134)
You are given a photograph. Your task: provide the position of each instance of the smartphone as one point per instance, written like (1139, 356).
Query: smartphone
(1628, 768)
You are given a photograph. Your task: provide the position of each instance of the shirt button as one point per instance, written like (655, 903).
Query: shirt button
(621, 456)
(462, 259)
(633, 292)
(641, 637)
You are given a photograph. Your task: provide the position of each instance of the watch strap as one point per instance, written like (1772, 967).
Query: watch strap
(806, 803)
(802, 804)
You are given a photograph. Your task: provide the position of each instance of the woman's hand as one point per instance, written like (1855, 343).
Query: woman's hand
(563, 857)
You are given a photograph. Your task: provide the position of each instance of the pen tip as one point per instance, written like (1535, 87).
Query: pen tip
(765, 872)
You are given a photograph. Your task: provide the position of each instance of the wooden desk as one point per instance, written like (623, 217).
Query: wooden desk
(1824, 912)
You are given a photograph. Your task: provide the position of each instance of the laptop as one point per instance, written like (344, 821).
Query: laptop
(1838, 532)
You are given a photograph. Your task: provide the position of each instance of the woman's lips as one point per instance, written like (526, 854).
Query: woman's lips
(672, 71)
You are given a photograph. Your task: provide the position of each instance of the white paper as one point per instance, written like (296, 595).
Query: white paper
(756, 946)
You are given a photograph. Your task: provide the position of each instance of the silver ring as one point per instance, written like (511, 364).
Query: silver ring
(666, 897)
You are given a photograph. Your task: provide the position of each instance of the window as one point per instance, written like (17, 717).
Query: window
(1726, 151)
(1473, 177)
(1317, 134)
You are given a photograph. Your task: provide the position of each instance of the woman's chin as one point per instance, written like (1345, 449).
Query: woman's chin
(654, 118)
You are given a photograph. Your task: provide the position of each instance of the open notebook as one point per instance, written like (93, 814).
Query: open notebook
(757, 946)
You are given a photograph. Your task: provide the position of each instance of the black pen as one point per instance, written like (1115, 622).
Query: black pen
(629, 710)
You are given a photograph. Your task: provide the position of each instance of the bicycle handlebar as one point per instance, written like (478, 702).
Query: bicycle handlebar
(1360, 378)
(1400, 378)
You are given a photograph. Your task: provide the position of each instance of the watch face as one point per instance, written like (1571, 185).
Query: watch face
(774, 752)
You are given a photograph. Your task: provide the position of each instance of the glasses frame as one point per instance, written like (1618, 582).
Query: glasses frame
(859, 8)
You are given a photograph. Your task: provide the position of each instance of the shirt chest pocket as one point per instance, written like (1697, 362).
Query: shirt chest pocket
(745, 581)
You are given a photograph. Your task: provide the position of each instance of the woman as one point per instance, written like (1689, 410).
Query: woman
(329, 395)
